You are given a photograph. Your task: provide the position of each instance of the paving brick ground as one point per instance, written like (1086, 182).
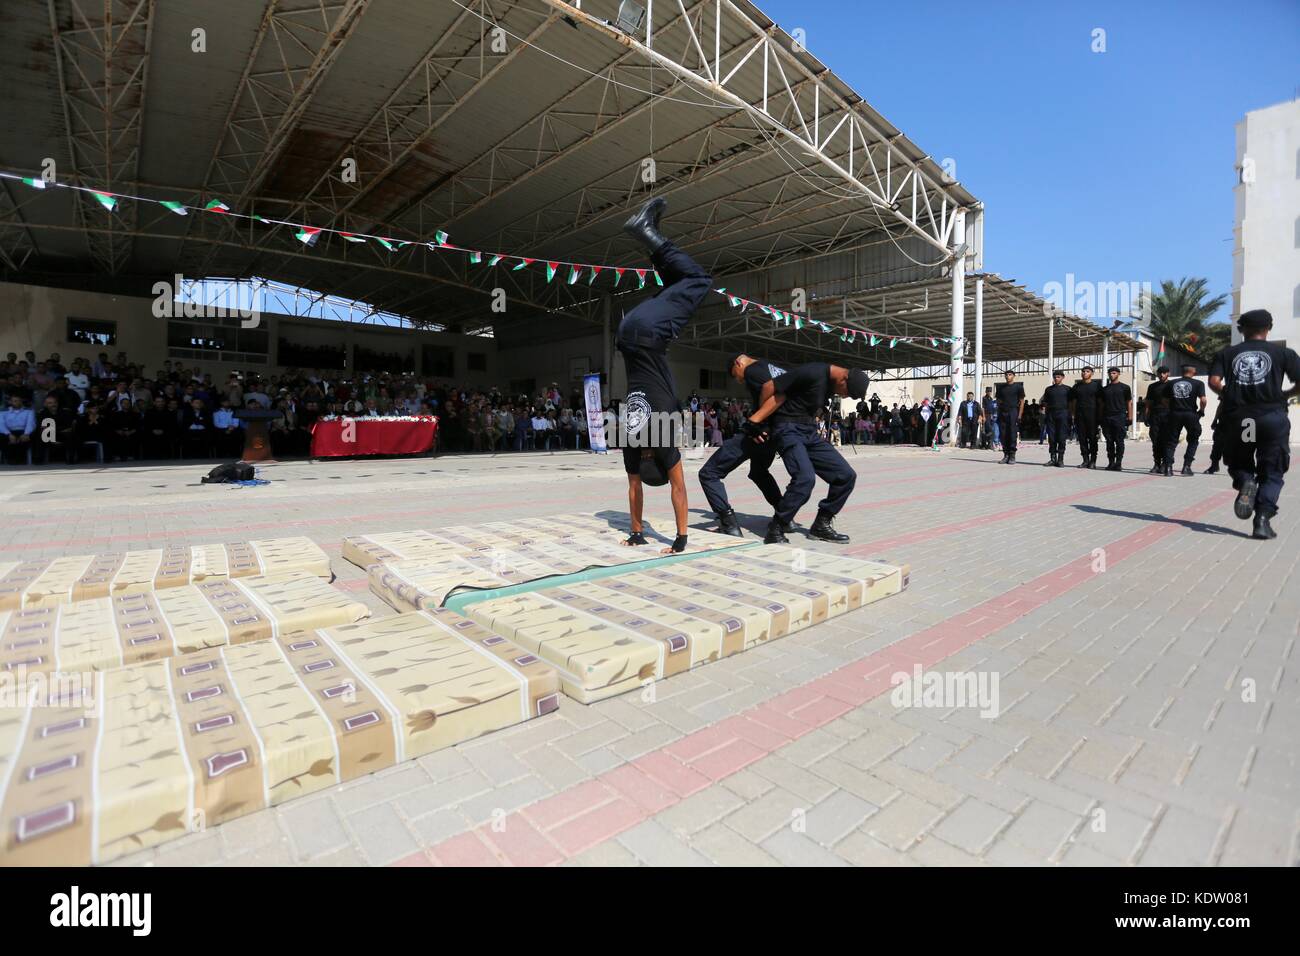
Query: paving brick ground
(1143, 647)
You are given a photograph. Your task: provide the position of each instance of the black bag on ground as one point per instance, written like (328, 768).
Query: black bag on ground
(226, 474)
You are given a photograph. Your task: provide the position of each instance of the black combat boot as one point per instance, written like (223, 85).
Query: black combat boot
(1169, 471)
(1262, 530)
(824, 530)
(774, 533)
(1156, 469)
(1212, 470)
(727, 524)
(1187, 469)
(1244, 506)
(1011, 458)
(644, 225)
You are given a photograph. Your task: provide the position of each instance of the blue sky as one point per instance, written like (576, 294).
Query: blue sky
(1115, 166)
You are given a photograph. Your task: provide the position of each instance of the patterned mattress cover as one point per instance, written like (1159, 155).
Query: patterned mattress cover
(608, 636)
(162, 748)
(109, 632)
(530, 537)
(51, 581)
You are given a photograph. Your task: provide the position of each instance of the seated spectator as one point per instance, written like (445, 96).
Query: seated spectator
(228, 434)
(56, 431)
(16, 426)
(158, 431)
(92, 433)
(124, 430)
(196, 429)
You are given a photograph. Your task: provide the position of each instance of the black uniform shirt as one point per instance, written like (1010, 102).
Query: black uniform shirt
(806, 388)
(758, 374)
(1056, 398)
(1009, 398)
(1158, 398)
(1115, 397)
(1252, 373)
(1086, 396)
(650, 386)
(1185, 395)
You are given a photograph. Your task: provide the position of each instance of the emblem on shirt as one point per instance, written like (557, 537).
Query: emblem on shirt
(774, 370)
(1251, 368)
(637, 412)
(1182, 389)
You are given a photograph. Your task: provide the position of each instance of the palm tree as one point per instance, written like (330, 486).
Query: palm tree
(1180, 313)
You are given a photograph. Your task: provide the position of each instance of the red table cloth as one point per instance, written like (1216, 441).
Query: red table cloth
(373, 436)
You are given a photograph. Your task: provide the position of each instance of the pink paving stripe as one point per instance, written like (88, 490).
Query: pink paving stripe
(564, 825)
(927, 534)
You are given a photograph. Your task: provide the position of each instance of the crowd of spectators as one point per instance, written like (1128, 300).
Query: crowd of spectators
(115, 410)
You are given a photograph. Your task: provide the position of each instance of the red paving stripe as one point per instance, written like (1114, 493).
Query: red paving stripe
(564, 825)
(927, 534)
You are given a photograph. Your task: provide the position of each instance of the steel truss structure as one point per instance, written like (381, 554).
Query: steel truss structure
(530, 127)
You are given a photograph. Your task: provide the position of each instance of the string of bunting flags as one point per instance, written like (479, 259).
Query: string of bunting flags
(310, 235)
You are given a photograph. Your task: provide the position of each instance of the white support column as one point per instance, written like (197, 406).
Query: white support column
(979, 340)
(958, 322)
(1051, 344)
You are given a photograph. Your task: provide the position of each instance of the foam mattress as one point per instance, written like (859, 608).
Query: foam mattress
(109, 632)
(83, 577)
(529, 537)
(166, 747)
(608, 636)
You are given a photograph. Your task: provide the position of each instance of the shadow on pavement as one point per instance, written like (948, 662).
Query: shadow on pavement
(1140, 516)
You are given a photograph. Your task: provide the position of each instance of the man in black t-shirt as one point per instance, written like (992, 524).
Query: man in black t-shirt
(1186, 409)
(1156, 410)
(1085, 408)
(1249, 377)
(647, 428)
(789, 407)
(1117, 416)
(1011, 405)
(753, 374)
(1056, 415)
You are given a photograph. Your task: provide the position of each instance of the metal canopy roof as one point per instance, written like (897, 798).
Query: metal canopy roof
(520, 127)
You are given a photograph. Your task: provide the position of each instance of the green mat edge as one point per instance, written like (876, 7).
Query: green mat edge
(458, 602)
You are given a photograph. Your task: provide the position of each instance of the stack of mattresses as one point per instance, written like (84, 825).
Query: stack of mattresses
(535, 538)
(106, 632)
(65, 580)
(168, 746)
(611, 635)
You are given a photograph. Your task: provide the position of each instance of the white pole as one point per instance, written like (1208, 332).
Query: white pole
(958, 323)
(979, 340)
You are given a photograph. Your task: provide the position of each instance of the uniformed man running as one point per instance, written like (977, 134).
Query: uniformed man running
(1011, 405)
(1085, 409)
(789, 407)
(1056, 414)
(1157, 420)
(1117, 416)
(650, 452)
(1186, 409)
(735, 451)
(1249, 375)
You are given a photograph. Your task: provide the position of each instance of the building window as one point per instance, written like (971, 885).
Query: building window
(92, 332)
(438, 361)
